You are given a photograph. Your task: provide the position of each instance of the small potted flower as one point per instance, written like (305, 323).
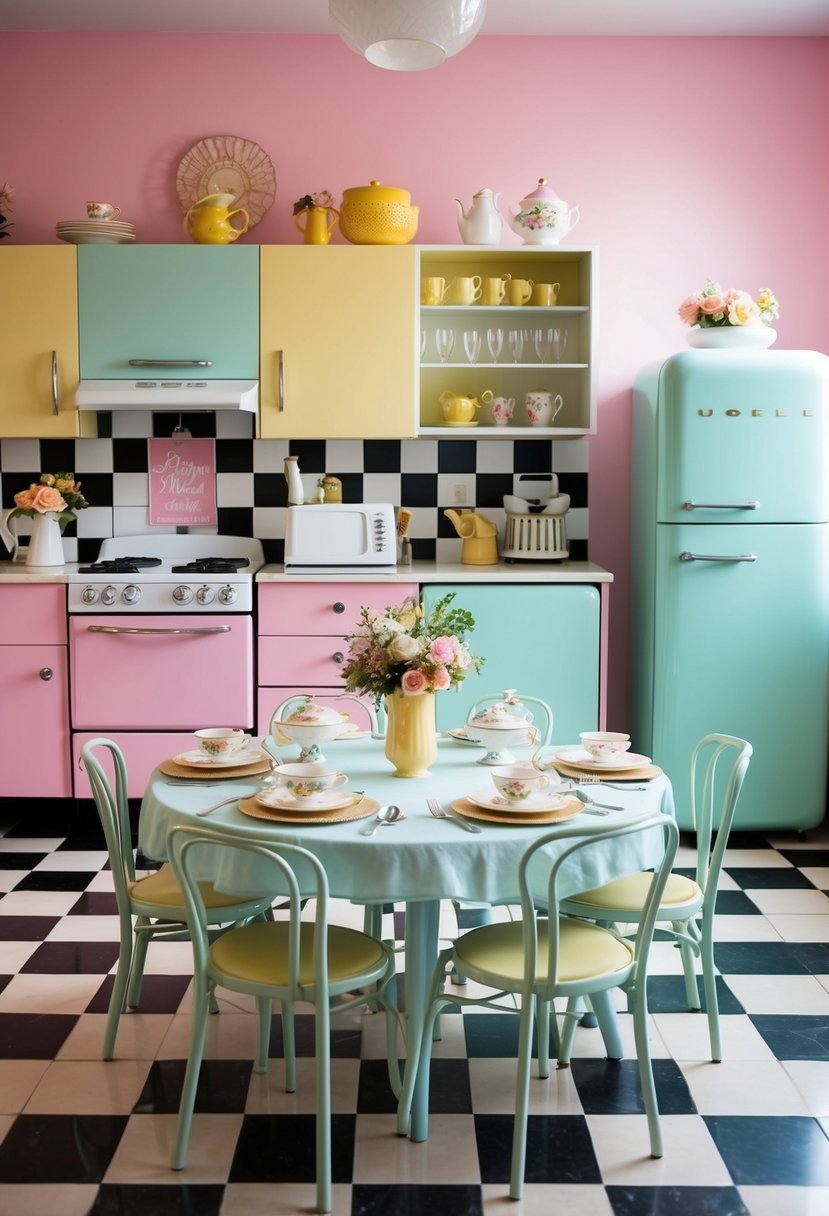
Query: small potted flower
(51, 503)
(729, 318)
(320, 216)
(405, 657)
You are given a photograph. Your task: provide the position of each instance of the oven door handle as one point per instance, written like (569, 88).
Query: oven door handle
(123, 629)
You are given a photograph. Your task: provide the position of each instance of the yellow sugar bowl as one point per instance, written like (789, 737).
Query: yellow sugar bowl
(378, 215)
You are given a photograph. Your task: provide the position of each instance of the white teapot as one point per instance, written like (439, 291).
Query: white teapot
(482, 223)
(543, 218)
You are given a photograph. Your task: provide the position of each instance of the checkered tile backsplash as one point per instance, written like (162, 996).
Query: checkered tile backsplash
(425, 475)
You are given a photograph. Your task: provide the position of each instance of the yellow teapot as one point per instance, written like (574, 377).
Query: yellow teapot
(460, 410)
(208, 220)
(480, 546)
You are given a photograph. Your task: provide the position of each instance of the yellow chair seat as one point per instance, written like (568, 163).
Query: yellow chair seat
(631, 892)
(258, 954)
(162, 888)
(585, 950)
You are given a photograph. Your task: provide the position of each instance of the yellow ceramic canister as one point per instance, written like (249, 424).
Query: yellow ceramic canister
(378, 215)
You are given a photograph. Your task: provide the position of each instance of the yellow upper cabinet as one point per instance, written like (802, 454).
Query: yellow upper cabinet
(39, 347)
(338, 340)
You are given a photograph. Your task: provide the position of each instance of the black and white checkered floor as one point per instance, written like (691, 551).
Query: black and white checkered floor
(77, 1136)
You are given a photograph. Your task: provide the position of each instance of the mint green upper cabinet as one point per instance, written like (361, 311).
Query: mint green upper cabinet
(172, 302)
(543, 640)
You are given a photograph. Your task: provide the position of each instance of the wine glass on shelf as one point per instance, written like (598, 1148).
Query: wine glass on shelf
(515, 341)
(495, 341)
(472, 344)
(422, 343)
(560, 345)
(445, 343)
(544, 340)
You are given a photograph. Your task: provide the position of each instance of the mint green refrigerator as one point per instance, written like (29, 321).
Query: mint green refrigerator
(730, 572)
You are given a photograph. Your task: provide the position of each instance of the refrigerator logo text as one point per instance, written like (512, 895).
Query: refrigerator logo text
(755, 413)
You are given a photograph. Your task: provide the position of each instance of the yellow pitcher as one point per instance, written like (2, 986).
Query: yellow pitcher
(319, 222)
(208, 220)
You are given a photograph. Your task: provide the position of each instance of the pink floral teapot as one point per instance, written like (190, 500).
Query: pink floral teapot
(543, 218)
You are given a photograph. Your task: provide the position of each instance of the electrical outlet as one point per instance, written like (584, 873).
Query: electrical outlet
(459, 494)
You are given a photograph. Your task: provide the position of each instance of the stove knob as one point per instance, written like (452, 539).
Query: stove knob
(108, 595)
(227, 594)
(89, 595)
(131, 594)
(182, 595)
(205, 595)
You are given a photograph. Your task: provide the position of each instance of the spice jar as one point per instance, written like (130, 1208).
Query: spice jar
(332, 488)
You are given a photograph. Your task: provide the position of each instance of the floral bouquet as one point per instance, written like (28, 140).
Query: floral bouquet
(323, 199)
(7, 199)
(401, 648)
(714, 308)
(54, 492)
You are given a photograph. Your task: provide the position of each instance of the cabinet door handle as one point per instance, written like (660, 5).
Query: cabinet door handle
(46, 673)
(690, 505)
(55, 402)
(338, 656)
(339, 607)
(171, 362)
(717, 557)
(280, 380)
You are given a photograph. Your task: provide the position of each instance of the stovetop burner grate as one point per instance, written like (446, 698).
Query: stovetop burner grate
(212, 565)
(121, 565)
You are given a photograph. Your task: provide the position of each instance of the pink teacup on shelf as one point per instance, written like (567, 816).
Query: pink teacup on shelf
(102, 211)
(221, 742)
(501, 410)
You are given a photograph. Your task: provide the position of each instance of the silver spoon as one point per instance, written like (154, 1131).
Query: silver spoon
(386, 814)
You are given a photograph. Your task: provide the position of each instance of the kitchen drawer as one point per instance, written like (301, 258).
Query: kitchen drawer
(324, 608)
(33, 615)
(301, 660)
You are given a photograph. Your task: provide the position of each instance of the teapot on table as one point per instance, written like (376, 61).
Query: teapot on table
(208, 220)
(543, 218)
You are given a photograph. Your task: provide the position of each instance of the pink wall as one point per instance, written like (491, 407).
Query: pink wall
(688, 158)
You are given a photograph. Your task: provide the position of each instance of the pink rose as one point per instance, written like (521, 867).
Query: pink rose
(442, 650)
(413, 682)
(689, 310)
(40, 498)
(710, 305)
(441, 679)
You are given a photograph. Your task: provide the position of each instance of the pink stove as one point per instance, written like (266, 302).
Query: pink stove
(168, 573)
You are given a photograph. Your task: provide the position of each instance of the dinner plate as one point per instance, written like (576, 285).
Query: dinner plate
(358, 808)
(197, 759)
(583, 759)
(570, 808)
(284, 802)
(460, 736)
(491, 800)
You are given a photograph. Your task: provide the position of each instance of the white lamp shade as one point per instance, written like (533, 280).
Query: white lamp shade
(407, 35)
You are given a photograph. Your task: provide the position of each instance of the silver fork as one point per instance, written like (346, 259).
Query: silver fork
(438, 812)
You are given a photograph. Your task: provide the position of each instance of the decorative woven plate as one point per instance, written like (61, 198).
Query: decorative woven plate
(516, 818)
(361, 808)
(196, 772)
(230, 165)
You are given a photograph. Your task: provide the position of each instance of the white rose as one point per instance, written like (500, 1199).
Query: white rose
(403, 648)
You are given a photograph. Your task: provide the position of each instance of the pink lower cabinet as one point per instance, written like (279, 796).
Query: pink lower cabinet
(34, 707)
(302, 647)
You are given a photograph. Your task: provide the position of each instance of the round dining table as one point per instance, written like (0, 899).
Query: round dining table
(419, 861)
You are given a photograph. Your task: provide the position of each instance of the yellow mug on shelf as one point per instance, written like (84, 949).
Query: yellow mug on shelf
(519, 291)
(494, 290)
(545, 294)
(432, 290)
(463, 290)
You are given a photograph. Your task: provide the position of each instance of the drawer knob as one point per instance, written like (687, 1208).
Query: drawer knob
(339, 607)
(46, 673)
(338, 656)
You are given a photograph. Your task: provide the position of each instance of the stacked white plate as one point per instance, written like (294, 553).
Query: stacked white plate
(95, 232)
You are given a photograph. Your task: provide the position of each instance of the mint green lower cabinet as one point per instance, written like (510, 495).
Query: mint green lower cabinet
(543, 640)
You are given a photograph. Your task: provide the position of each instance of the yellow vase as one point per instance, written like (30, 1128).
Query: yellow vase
(411, 735)
(318, 224)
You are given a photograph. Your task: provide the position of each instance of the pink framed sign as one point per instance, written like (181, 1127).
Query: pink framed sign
(182, 481)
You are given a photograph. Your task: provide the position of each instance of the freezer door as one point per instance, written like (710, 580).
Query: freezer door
(743, 437)
(742, 647)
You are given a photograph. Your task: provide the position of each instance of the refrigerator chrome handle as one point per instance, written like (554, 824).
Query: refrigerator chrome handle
(717, 557)
(690, 505)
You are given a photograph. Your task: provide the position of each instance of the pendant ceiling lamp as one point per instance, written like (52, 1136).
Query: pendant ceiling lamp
(407, 35)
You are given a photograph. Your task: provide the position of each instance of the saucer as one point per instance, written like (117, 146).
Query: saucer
(491, 800)
(582, 759)
(198, 759)
(460, 736)
(284, 802)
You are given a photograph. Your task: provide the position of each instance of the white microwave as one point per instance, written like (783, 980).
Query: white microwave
(340, 537)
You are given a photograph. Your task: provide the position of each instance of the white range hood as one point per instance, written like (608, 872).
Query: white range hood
(166, 394)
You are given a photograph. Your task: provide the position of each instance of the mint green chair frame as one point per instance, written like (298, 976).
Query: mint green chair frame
(690, 916)
(299, 877)
(539, 876)
(140, 920)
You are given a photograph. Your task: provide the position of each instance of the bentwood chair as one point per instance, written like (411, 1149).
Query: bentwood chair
(543, 956)
(688, 905)
(290, 960)
(149, 907)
